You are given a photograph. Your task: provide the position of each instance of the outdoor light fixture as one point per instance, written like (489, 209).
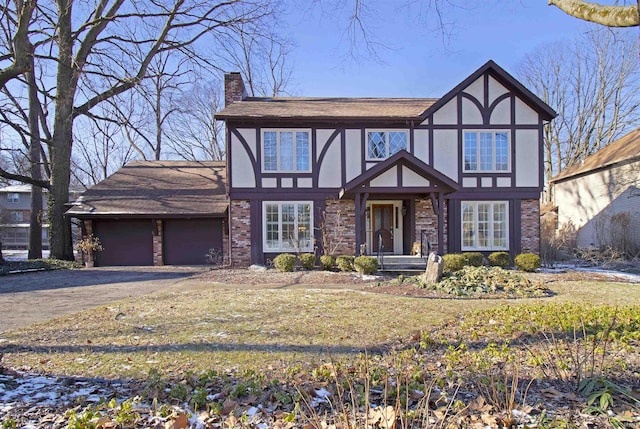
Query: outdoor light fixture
(404, 210)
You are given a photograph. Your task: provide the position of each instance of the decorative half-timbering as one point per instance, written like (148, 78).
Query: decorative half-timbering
(383, 174)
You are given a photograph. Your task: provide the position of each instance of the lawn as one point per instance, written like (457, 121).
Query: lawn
(284, 332)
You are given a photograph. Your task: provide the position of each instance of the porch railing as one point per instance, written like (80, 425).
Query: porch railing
(380, 251)
(425, 244)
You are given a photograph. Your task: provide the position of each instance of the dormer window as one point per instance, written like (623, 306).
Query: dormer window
(383, 144)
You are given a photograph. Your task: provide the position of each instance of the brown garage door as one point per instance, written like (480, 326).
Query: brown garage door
(125, 242)
(187, 241)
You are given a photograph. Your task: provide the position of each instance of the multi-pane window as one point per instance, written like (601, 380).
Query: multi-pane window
(286, 151)
(486, 151)
(383, 144)
(16, 216)
(288, 226)
(485, 225)
(13, 198)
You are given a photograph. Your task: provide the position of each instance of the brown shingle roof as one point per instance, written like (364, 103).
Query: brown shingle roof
(158, 188)
(623, 149)
(326, 108)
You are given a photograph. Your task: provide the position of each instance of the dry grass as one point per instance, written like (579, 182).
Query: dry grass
(213, 326)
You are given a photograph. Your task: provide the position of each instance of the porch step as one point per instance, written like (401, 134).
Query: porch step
(402, 264)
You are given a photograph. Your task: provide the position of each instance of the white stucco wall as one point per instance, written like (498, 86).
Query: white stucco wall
(470, 113)
(584, 199)
(411, 178)
(241, 166)
(496, 89)
(501, 114)
(527, 167)
(445, 152)
(353, 153)
(321, 140)
(387, 179)
(525, 114)
(476, 89)
(330, 174)
(421, 145)
(249, 134)
(447, 114)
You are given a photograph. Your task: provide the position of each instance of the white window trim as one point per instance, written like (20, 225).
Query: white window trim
(285, 130)
(12, 200)
(280, 239)
(475, 220)
(478, 170)
(386, 131)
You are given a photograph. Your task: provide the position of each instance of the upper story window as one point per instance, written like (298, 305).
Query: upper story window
(16, 216)
(13, 198)
(286, 151)
(383, 144)
(486, 151)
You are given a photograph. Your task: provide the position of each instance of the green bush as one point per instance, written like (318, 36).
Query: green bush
(345, 263)
(285, 262)
(307, 260)
(499, 259)
(474, 259)
(366, 264)
(327, 262)
(453, 262)
(527, 262)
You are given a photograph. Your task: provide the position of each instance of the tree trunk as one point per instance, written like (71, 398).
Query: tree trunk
(35, 226)
(60, 226)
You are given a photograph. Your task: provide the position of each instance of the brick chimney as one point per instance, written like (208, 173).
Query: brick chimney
(234, 89)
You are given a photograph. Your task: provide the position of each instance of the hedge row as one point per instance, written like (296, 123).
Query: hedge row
(456, 261)
(286, 262)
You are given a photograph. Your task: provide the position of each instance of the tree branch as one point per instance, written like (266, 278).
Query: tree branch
(610, 16)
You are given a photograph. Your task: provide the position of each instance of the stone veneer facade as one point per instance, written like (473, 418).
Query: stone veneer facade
(530, 230)
(427, 220)
(340, 225)
(240, 214)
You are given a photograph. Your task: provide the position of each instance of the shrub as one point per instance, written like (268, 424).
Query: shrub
(307, 260)
(327, 262)
(345, 263)
(284, 262)
(499, 259)
(453, 262)
(475, 259)
(366, 264)
(527, 262)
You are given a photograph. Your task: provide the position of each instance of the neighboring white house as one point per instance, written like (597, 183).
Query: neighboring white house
(601, 196)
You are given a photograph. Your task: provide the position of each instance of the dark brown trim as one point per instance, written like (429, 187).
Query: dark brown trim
(481, 108)
(442, 182)
(343, 156)
(257, 255)
(478, 126)
(106, 216)
(493, 194)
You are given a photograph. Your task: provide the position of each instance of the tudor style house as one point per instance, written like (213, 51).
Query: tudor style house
(362, 175)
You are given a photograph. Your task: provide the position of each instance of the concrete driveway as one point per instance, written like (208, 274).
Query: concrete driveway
(26, 299)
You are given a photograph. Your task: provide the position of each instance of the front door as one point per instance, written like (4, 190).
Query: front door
(382, 227)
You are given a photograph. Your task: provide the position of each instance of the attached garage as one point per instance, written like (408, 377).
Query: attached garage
(125, 242)
(188, 241)
(157, 213)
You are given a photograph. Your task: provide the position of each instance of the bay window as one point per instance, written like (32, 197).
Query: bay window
(288, 226)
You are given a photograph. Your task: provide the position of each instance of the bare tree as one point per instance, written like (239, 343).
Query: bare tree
(97, 51)
(594, 85)
(607, 15)
(193, 133)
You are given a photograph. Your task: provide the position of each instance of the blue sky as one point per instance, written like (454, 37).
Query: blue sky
(416, 61)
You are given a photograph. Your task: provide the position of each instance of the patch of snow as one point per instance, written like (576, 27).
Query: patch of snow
(252, 411)
(322, 393)
(613, 274)
(256, 267)
(368, 277)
